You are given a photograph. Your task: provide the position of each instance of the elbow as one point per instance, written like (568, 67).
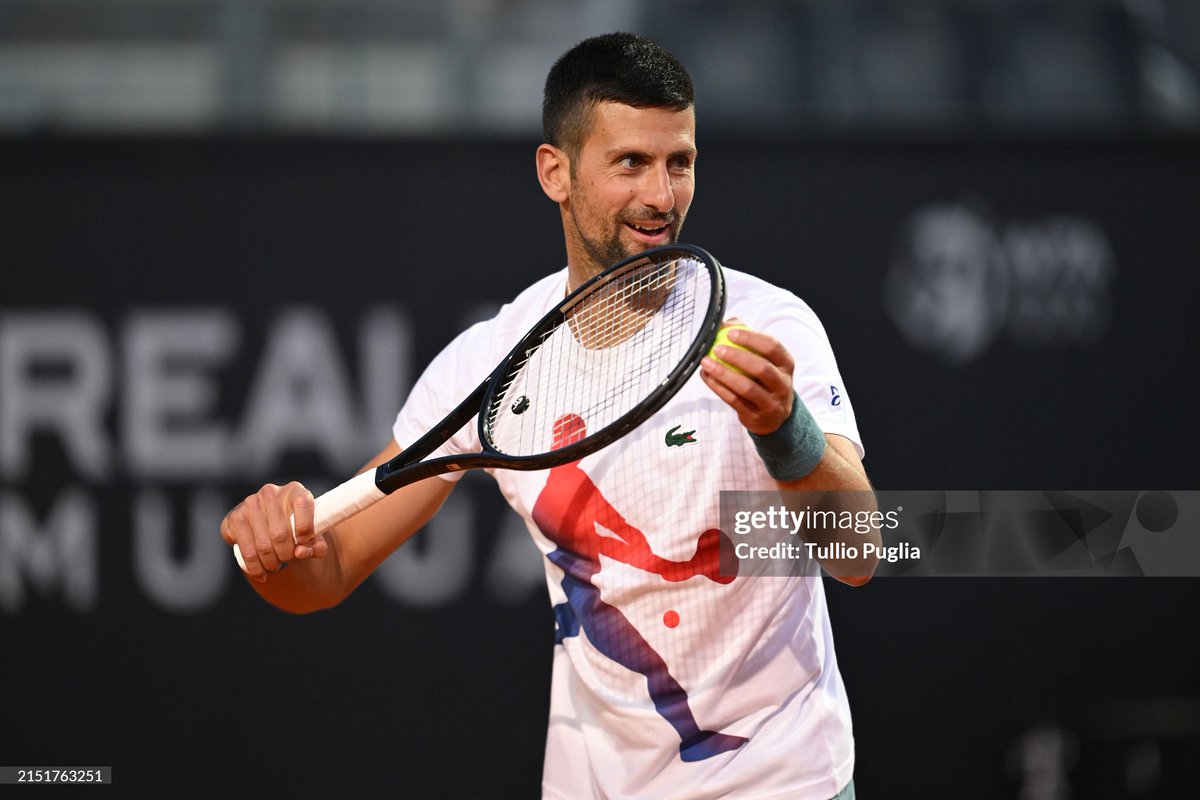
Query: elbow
(295, 608)
(302, 605)
(862, 572)
(299, 610)
(303, 609)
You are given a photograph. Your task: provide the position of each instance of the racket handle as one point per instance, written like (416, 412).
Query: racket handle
(335, 506)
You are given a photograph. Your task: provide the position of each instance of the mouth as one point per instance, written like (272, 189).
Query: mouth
(649, 232)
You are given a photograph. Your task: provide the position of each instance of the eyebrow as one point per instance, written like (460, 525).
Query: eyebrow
(617, 153)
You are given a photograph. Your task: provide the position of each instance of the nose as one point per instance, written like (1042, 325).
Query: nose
(656, 189)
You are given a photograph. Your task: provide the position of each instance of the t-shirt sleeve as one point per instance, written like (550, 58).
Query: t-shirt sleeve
(816, 377)
(452, 375)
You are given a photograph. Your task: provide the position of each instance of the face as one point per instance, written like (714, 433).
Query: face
(630, 185)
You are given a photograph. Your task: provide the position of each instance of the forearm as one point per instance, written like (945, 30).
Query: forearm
(356, 547)
(754, 377)
(322, 570)
(842, 487)
(307, 585)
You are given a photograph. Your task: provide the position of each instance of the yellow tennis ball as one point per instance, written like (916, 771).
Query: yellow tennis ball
(723, 338)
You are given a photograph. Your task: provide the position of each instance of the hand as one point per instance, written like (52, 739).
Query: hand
(261, 527)
(762, 396)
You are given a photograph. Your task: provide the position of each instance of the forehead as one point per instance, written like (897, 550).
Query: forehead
(613, 125)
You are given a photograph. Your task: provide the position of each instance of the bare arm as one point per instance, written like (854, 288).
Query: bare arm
(842, 471)
(323, 570)
(762, 396)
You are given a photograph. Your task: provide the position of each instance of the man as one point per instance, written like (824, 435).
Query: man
(670, 678)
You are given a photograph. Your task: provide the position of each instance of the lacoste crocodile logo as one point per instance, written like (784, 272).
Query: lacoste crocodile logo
(679, 439)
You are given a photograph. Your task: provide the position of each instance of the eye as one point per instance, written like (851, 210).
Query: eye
(631, 161)
(681, 163)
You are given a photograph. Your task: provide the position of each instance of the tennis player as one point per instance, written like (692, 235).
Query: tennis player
(671, 677)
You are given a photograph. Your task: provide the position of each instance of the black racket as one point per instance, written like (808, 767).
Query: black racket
(593, 369)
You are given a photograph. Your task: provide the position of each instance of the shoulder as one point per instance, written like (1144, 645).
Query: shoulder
(471, 355)
(761, 304)
(495, 335)
(539, 297)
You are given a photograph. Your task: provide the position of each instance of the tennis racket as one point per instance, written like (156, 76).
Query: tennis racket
(593, 369)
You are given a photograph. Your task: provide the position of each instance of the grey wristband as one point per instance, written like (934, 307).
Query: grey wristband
(796, 448)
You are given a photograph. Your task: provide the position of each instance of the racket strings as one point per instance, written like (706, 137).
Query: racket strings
(615, 346)
(613, 312)
(619, 308)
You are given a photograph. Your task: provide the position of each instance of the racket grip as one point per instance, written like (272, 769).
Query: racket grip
(335, 506)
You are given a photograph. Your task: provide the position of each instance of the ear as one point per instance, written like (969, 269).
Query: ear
(554, 172)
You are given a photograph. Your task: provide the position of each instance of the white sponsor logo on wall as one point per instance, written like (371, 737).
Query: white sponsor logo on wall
(959, 280)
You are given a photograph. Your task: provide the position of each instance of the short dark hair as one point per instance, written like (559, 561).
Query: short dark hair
(616, 67)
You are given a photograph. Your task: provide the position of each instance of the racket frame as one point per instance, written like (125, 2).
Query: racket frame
(407, 467)
(363, 490)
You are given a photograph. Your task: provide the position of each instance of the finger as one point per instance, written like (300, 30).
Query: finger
(235, 529)
(309, 543)
(264, 548)
(227, 529)
(775, 379)
(302, 508)
(279, 526)
(318, 548)
(775, 365)
(773, 371)
(718, 377)
(747, 416)
(751, 377)
(759, 411)
(764, 345)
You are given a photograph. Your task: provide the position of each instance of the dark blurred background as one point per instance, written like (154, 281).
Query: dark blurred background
(232, 233)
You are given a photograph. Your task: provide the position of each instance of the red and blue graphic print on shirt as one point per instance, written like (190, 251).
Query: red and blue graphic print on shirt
(568, 511)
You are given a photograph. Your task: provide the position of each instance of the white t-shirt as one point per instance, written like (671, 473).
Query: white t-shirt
(655, 654)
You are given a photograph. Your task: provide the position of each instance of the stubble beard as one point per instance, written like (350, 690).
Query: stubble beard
(603, 253)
